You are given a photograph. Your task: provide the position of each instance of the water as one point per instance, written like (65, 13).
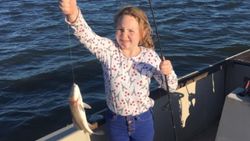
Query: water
(35, 76)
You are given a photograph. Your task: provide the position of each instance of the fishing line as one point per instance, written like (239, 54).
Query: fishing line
(166, 80)
(70, 54)
(158, 39)
(156, 29)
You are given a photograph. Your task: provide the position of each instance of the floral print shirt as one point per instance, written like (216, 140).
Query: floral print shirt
(126, 79)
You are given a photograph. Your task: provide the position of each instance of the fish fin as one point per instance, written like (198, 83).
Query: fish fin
(87, 106)
(81, 104)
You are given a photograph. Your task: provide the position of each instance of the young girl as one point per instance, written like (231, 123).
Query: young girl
(128, 65)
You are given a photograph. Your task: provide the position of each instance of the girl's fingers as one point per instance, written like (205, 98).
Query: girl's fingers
(166, 67)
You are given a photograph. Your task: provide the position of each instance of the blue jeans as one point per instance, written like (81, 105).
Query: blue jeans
(130, 128)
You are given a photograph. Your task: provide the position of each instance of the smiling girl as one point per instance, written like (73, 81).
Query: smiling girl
(128, 65)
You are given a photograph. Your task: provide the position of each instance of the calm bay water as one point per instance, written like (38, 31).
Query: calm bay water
(35, 76)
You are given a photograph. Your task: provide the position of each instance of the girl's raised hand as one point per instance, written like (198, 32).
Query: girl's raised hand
(69, 9)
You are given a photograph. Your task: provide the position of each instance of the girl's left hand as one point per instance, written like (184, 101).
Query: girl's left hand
(166, 67)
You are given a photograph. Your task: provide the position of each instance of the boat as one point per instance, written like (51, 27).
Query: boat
(201, 106)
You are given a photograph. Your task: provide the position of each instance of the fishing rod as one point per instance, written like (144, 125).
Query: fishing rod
(166, 80)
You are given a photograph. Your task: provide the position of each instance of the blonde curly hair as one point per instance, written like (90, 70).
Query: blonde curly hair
(146, 38)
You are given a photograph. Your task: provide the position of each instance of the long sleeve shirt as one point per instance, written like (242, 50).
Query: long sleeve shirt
(126, 79)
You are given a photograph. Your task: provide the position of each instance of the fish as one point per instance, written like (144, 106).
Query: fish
(77, 108)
